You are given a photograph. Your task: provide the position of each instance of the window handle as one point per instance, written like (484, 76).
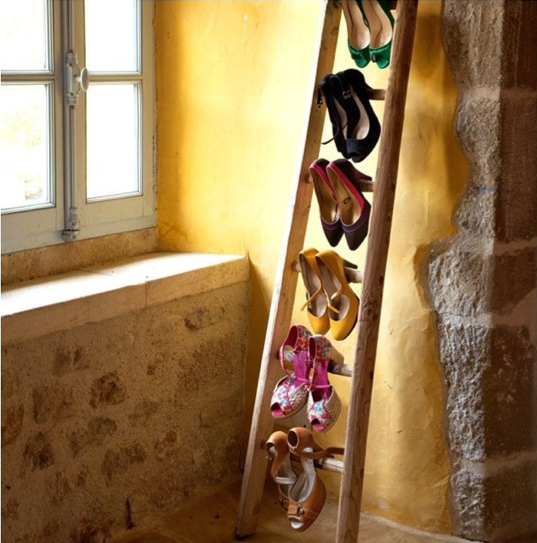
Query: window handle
(83, 79)
(76, 79)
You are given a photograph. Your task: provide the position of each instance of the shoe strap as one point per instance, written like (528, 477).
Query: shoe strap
(315, 455)
(297, 511)
(321, 90)
(330, 306)
(285, 480)
(311, 299)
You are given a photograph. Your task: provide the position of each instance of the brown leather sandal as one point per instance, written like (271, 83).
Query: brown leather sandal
(308, 494)
(282, 471)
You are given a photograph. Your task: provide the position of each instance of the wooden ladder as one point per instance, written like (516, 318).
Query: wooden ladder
(362, 370)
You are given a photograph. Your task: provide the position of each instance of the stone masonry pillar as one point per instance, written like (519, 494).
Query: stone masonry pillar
(482, 282)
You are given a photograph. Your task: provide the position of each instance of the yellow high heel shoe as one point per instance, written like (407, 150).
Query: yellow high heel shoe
(343, 304)
(316, 302)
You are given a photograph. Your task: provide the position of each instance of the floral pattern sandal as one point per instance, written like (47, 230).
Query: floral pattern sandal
(291, 392)
(324, 404)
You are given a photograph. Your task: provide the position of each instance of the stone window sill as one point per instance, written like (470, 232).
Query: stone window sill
(43, 306)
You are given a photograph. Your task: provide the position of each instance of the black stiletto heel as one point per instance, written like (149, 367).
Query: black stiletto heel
(364, 134)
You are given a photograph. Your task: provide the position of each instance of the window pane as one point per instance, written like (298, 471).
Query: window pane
(112, 140)
(25, 147)
(25, 38)
(112, 35)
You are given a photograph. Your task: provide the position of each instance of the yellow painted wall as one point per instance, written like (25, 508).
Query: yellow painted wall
(232, 92)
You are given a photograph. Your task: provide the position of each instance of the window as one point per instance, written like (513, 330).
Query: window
(76, 121)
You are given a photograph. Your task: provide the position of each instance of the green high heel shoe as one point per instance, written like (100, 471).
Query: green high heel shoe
(380, 22)
(358, 33)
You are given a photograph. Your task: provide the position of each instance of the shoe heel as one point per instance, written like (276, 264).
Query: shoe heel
(381, 24)
(290, 394)
(328, 205)
(363, 130)
(324, 404)
(343, 304)
(316, 302)
(358, 35)
(354, 208)
(282, 471)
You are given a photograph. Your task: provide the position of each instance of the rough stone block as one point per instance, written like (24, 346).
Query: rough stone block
(117, 462)
(478, 127)
(52, 403)
(494, 504)
(97, 430)
(38, 453)
(460, 19)
(108, 389)
(10, 382)
(508, 391)
(515, 276)
(150, 391)
(12, 419)
(517, 198)
(490, 405)
(453, 274)
(476, 212)
(67, 360)
(520, 21)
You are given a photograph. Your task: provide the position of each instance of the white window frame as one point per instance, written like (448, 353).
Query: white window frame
(72, 217)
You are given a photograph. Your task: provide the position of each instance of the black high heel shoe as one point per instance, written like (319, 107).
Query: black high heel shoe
(364, 134)
(342, 112)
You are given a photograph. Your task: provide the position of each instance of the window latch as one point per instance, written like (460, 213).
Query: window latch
(77, 78)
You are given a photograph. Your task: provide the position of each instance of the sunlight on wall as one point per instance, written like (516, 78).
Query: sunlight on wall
(232, 100)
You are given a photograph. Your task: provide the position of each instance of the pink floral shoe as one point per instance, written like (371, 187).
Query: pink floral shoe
(291, 392)
(324, 405)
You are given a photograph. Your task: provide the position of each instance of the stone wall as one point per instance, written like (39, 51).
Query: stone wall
(112, 421)
(483, 281)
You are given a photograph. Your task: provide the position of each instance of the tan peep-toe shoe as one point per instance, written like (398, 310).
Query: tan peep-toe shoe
(282, 470)
(308, 494)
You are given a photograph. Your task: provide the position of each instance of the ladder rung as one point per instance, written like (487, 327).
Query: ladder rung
(376, 94)
(365, 185)
(353, 276)
(337, 368)
(329, 464)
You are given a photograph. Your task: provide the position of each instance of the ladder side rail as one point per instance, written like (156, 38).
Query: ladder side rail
(283, 296)
(375, 267)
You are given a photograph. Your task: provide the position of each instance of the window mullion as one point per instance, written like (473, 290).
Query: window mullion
(74, 109)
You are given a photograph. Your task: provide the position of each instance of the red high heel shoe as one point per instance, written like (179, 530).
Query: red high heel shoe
(328, 205)
(354, 208)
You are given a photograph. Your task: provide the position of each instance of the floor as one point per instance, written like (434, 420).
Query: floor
(211, 519)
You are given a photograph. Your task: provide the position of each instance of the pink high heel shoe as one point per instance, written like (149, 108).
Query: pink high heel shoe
(291, 392)
(324, 404)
